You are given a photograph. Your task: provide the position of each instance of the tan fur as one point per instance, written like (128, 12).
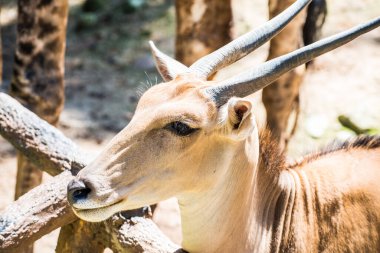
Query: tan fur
(235, 194)
(335, 201)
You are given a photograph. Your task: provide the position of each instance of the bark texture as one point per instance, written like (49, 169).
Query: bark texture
(281, 98)
(38, 140)
(138, 234)
(37, 80)
(81, 236)
(45, 208)
(202, 27)
(35, 214)
(38, 72)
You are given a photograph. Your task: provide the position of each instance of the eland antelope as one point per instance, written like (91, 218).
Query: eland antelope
(198, 140)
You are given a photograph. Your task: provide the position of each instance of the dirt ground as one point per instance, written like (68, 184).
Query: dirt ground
(108, 64)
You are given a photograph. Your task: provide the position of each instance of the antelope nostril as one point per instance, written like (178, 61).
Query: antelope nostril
(81, 194)
(77, 190)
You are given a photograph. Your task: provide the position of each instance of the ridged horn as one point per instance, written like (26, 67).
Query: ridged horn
(253, 80)
(245, 44)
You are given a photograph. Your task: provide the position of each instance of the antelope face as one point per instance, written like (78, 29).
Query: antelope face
(178, 141)
(183, 132)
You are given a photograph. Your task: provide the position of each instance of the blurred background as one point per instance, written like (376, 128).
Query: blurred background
(108, 66)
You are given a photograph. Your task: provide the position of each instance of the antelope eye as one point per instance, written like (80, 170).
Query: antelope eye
(180, 128)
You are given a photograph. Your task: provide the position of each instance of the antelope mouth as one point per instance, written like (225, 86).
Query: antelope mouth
(101, 213)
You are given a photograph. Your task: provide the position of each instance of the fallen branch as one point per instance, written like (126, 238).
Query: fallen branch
(36, 214)
(131, 235)
(45, 145)
(45, 208)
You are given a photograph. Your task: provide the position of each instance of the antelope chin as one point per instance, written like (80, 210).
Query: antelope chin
(99, 214)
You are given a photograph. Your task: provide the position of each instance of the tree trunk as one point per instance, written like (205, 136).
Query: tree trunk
(202, 27)
(281, 98)
(82, 237)
(38, 71)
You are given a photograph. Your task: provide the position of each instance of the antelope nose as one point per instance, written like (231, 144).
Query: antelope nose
(77, 190)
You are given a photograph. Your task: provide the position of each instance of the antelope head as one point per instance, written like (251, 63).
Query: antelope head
(184, 132)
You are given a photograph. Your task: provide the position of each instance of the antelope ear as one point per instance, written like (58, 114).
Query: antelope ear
(239, 118)
(167, 66)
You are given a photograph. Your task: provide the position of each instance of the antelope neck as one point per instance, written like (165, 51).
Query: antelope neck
(237, 214)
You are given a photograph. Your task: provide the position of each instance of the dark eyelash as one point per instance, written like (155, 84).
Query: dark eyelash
(179, 128)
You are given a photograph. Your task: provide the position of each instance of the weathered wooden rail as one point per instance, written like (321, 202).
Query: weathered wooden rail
(45, 208)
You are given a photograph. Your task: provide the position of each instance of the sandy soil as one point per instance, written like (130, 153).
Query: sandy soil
(107, 65)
